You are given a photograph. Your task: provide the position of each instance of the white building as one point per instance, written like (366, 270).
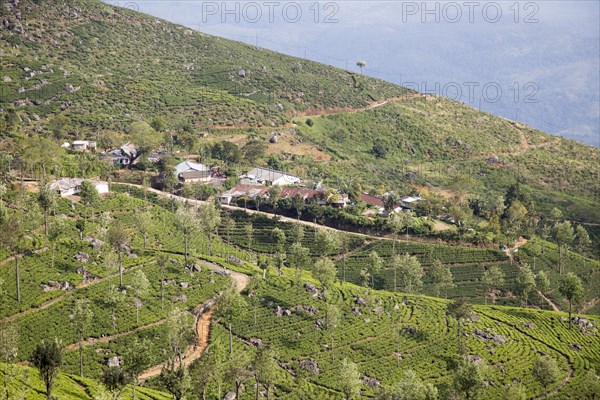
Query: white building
(72, 186)
(189, 172)
(267, 176)
(83, 145)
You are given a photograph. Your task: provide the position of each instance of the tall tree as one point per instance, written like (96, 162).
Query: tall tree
(47, 199)
(136, 359)
(411, 273)
(114, 298)
(525, 281)
(467, 379)
(179, 323)
(140, 285)
(326, 242)
(163, 262)
(56, 231)
(229, 305)
(582, 239)
(563, 236)
(361, 64)
(114, 379)
(209, 219)
(441, 277)
(176, 380)
(89, 196)
(349, 378)
(332, 322)
(9, 347)
(265, 368)
(572, 289)
(81, 318)
(249, 233)
(324, 271)
(253, 287)
(143, 223)
(299, 257)
(493, 278)
(374, 266)
(238, 371)
(297, 233)
(542, 282)
(13, 237)
(278, 239)
(47, 358)
(118, 239)
(411, 387)
(460, 310)
(545, 371)
(187, 224)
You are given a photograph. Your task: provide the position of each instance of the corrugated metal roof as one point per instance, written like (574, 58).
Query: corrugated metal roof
(188, 165)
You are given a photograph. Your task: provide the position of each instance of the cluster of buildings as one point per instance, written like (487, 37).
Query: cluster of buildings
(253, 185)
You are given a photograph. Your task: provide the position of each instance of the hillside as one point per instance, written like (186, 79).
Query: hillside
(325, 312)
(102, 68)
(385, 333)
(124, 66)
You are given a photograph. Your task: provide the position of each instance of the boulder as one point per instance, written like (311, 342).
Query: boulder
(411, 330)
(312, 310)
(474, 358)
(278, 311)
(82, 257)
(361, 302)
(234, 260)
(182, 298)
(356, 311)
(370, 382)
(113, 362)
(256, 342)
(310, 365)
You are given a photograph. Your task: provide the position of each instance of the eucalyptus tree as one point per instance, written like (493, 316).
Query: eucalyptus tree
(187, 224)
(47, 199)
(493, 278)
(209, 218)
(81, 318)
(411, 273)
(441, 277)
(47, 358)
(572, 289)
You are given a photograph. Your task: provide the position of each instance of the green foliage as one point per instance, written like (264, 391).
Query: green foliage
(47, 358)
(545, 371)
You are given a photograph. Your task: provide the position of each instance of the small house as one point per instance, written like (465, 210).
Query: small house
(190, 172)
(72, 186)
(250, 192)
(409, 201)
(374, 201)
(83, 145)
(267, 176)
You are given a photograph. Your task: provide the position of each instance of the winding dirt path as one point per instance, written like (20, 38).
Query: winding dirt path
(561, 385)
(550, 302)
(521, 241)
(319, 112)
(204, 313)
